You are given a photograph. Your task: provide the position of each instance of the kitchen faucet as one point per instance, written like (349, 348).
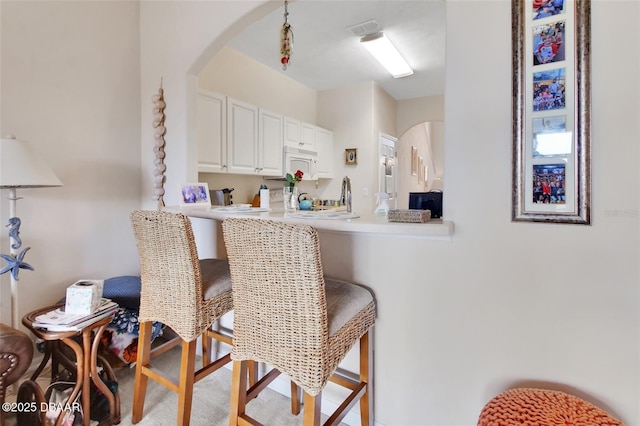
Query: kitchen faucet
(345, 195)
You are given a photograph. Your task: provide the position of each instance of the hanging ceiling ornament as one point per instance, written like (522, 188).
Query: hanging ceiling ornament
(286, 39)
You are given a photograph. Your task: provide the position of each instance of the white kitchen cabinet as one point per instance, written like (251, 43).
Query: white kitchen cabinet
(242, 137)
(308, 137)
(254, 140)
(211, 132)
(237, 137)
(292, 132)
(270, 143)
(298, 134)
(324, 147)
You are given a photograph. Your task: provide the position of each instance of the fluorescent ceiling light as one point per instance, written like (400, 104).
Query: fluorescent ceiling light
(385, 52)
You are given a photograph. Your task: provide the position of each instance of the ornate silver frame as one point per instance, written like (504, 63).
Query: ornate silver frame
(580, 111)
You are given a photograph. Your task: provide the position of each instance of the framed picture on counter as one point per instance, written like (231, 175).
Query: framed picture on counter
(195, 194)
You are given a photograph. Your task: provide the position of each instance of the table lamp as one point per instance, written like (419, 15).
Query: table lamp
(20, 167)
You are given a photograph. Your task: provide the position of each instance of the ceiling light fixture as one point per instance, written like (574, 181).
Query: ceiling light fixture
(385, 52)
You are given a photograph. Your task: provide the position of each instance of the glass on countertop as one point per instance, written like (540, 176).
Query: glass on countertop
(290, 198)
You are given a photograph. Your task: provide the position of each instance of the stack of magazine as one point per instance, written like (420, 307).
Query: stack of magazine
(58, 320)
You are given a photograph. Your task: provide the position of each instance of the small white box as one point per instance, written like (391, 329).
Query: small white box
(83, 297)
(265, 196)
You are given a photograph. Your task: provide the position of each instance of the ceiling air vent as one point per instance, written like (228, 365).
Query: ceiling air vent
(365, 28)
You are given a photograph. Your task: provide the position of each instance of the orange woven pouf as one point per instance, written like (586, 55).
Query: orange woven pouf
(540, 407)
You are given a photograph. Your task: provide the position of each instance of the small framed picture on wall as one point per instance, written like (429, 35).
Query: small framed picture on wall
(351, 156)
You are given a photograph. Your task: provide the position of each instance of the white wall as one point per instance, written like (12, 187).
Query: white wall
(349, 113)
(419, 110)
(70, 87)
(554, 304)
(238, 76)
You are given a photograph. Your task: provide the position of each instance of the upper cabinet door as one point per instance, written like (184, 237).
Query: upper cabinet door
(242, 137)
(211, 132)
(308, 137)
(292, 132)
(270, 143)
(298, 134)
(324, 146)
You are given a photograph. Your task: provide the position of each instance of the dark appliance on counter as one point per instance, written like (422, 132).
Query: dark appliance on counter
(221, 197)
(431, 200)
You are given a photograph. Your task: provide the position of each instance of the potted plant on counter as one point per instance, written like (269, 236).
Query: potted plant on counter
(290, 192)
(293, 179)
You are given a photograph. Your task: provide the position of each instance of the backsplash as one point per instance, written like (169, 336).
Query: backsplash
(245, 187)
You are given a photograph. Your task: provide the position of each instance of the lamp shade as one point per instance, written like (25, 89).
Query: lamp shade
(21, 167)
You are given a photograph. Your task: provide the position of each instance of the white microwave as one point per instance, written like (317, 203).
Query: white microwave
(301, 159)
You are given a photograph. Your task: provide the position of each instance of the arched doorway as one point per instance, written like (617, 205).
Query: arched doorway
(420, 160)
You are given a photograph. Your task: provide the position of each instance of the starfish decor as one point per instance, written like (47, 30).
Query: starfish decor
(15, 263)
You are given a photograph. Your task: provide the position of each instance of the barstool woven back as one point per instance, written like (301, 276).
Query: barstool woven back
(525, 406)
(279, 289)
(171, 275)
(182, 292)
(287, 314)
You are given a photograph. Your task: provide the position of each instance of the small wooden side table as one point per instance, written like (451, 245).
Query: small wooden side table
(86, 363)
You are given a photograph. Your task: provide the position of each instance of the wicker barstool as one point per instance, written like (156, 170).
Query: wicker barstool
(182, 292)
(543, 407)
(287, 315)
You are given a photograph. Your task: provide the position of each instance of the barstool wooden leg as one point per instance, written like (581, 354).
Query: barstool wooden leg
(252, 367)
(312, 409)
(296, 394)
(207, 349)
(238, 392)
(142, 362)
(185, 391)
(366, 372)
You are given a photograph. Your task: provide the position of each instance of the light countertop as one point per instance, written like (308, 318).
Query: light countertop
(434, 229)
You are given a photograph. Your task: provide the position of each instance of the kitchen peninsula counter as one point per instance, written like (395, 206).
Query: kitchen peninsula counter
(393, 260)
(434, 229)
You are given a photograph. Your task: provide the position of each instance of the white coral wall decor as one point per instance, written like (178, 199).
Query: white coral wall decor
(158, 147)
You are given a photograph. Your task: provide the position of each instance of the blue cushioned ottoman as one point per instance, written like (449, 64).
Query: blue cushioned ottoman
(124, 290)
